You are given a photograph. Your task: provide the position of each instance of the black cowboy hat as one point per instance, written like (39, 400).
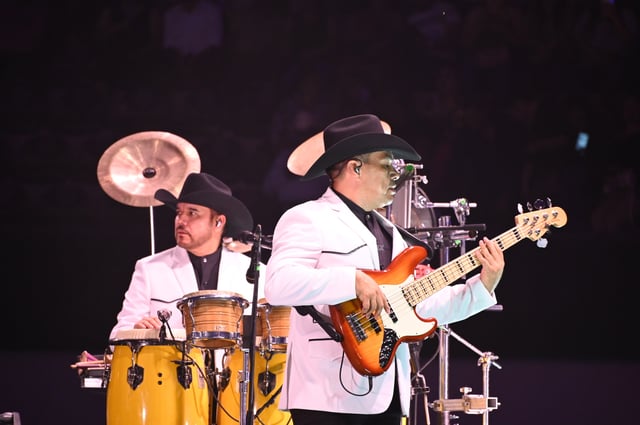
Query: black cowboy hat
(353, 136)
(206, 190)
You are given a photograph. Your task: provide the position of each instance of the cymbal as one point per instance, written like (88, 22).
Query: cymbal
(308, 152)
(133, 168)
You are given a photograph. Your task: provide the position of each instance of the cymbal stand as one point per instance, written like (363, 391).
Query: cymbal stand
(153, 239)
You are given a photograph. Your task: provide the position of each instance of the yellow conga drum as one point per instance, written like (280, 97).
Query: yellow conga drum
(156, 382)
(267, 384)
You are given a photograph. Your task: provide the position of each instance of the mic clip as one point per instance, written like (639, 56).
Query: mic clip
(164, 316)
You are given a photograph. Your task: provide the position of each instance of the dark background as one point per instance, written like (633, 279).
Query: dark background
(492, 94)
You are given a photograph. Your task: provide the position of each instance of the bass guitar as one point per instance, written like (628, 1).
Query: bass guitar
(370, 343)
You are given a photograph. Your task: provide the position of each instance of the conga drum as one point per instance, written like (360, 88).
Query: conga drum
(272, 329)
(213, 319)
(156, 382)
(268, 376)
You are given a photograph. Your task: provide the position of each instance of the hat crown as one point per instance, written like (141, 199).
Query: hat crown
(203, 182)
(206, 190)
(351, 126)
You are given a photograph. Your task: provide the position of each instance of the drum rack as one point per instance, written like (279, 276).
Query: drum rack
(409, 198)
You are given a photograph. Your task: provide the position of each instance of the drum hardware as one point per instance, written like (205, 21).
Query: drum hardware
(135, 375)
(245, 379)
(448, 236)
(92, 370)
(134, 167)
(221, 377)
(266, 379)
(10, 418)
(471, 403)
(418, 382)
(266, 382)
(409, 199)
(265, 409)
(183, 370)
(135, 372)
(247, 393)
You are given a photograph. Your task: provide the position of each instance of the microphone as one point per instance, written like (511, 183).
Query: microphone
(252, 271)
(408, 172)
(247, 237)
(164, 315)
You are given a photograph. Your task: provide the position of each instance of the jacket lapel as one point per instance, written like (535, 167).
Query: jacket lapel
(183, 271)
(354, 224)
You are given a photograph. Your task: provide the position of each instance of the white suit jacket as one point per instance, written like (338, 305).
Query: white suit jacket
(316, 249)
(160, 281)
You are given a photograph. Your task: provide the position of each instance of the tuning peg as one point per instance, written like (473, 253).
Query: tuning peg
(538, 204)
(520, 209)
(529, 207)
(549, 204)
(542, 243)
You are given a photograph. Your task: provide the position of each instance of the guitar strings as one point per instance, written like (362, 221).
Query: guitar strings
(418, 290)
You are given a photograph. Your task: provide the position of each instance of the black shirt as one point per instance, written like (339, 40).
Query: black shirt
(206, 268)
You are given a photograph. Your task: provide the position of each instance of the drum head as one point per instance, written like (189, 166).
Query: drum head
(213, 293)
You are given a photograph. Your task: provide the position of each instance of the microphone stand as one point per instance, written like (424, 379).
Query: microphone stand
(253, 275)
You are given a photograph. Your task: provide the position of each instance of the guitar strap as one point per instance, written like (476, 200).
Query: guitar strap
(328, 327)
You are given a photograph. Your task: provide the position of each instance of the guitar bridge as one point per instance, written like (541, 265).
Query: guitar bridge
(356, 327)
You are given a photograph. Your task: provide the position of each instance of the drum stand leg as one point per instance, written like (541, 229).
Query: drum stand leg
(418, 385)
(244, 381)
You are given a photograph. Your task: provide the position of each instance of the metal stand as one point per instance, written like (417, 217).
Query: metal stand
(444, 237)
(470, 403)
(152, 231)
(253, 277)
(418, 384)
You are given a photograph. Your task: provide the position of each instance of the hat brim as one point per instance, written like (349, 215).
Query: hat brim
(239, 217)
(309, 151)
(361, 144)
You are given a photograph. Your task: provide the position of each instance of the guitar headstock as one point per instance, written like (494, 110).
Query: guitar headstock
(535, 223)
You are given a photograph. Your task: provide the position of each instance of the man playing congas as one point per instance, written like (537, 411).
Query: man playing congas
(177, 285)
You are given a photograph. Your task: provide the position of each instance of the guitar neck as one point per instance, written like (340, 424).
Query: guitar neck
(421, 289)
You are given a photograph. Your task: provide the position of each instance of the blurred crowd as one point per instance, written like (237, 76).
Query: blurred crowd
(495, 94)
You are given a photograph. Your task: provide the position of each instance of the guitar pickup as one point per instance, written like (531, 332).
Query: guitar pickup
(375, 325)
(393, 316)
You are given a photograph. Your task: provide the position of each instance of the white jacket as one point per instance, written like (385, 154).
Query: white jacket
(161, 280)
(316, 249)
